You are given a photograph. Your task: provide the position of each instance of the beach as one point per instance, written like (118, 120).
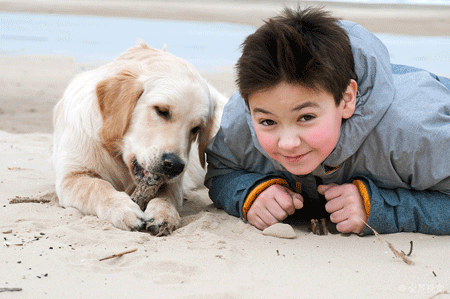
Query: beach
(51, 252)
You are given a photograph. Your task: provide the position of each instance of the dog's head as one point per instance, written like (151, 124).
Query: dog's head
(153, 109)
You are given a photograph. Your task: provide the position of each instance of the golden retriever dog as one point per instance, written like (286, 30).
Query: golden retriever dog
(147, 111)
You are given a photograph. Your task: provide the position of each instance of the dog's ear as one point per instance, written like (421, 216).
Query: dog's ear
(203, 141)
(117, 96)
(217, 102)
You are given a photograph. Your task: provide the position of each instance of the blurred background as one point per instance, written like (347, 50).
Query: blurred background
(45, 43)
(206, 44)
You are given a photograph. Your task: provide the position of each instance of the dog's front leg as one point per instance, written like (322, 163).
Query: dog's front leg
(162, 211)
(95, 196)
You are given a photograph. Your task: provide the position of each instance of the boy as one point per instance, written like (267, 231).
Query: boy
(319, 101)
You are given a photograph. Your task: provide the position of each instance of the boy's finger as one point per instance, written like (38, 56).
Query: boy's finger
(298, 202)
(297, 199)
(284, 201)
(324, 188)
(261, 219)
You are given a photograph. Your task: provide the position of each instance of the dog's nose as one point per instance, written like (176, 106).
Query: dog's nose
(171, 165)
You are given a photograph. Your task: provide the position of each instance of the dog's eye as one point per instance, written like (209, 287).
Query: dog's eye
(163, 112)
(195, 130)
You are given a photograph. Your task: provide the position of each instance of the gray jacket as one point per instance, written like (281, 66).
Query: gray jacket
(397, 143)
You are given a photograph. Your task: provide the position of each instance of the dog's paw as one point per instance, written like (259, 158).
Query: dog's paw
(123, 213)
(161, 217)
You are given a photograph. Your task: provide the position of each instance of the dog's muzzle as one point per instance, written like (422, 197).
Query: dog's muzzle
(171, 166)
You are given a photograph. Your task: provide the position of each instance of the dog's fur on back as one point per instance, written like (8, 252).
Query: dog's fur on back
(130, 115)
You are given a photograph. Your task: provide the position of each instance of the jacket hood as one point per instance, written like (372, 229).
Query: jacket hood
(375, 94)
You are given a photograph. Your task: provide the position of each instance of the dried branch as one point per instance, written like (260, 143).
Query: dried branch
(410, 248)
(118, 254)
(10, 289)
(391, 247)
(440, 293)
(46, 198)
(28, 200)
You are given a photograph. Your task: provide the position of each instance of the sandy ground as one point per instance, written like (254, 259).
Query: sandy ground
(51, 252)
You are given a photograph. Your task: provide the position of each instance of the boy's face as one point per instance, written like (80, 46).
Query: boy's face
(297, 126)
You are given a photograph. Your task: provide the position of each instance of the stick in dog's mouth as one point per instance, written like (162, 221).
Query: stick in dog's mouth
(147, 185)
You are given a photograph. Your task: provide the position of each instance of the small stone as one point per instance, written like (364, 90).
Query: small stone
(280, 230)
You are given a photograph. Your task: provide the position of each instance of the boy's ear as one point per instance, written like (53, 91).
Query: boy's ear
(349, 99)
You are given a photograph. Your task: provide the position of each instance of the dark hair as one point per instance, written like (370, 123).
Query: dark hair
(305, 47)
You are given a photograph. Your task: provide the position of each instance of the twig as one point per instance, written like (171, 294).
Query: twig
(440, 293)
(28, 200)
(410, 248)
(10, 289)
(14, 168)
(118, 254)
(391, 247)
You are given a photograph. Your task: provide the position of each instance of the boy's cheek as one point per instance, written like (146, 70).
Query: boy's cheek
(267, 141)
(323, 138)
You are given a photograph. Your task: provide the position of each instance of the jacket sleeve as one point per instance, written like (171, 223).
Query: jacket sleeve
(234, 192)
(406, 210)
(231, 186)
(237, 171)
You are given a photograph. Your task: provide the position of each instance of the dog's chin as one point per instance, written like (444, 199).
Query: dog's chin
(140, 174)
(137, 170)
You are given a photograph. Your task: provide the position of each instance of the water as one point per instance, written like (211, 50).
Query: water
(208, 46)
(90, 38)
(430, 53)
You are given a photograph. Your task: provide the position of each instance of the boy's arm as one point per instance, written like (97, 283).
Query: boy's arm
(403, 210)
(231, 187)
(235, 191)
(237, 171)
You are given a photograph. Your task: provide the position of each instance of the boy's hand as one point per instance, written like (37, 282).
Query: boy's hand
(346, 207)
(273, 205)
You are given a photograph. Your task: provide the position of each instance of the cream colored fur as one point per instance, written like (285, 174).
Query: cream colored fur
(111, 115)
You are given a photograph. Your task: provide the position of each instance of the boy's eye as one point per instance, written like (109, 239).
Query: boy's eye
(306, 117)
(267, 122)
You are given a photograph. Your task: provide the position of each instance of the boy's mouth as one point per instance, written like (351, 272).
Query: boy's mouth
(296, 158)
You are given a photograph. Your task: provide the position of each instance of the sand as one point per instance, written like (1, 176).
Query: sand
(51, 252)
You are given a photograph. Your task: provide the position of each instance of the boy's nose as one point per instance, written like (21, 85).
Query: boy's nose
(289, 140)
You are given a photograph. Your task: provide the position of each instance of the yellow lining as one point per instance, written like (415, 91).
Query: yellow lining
(331, 169)
(365, 195)
(257, 190)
